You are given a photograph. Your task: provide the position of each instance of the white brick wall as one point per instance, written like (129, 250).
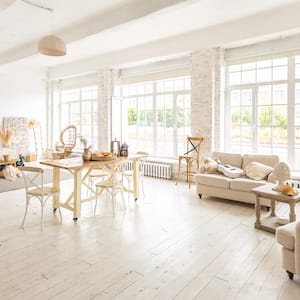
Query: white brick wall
(108, 79)
(207, 66)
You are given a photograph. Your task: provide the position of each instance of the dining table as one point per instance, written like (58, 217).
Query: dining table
(80, 171)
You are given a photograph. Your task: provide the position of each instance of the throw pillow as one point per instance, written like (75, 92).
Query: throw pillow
(210, 166)
(257, 171)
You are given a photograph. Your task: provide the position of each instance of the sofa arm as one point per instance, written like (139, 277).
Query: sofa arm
(297, 247)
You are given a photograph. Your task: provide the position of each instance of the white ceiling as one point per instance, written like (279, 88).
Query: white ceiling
(93, 28)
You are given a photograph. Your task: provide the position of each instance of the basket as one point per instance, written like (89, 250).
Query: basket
(98, 157)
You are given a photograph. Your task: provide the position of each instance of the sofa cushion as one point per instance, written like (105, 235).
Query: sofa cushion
(269, 160)
(285, 235)
(257, 171)
(213, 180)
(245, 184)
(231, 159)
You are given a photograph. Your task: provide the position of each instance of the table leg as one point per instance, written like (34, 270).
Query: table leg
(257, 211)
(273, 205)
(179, 168)
(292, 212)
(56, 184)
(135, 168)
(77, 195)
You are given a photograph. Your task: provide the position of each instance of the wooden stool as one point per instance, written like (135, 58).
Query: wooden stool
(192, 155)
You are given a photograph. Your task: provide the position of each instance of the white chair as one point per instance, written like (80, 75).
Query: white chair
(128, 174)
(34, 187)
(94, 175)
(112, 186)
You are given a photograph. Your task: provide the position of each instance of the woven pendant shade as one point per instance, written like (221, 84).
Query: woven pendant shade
(52, 45)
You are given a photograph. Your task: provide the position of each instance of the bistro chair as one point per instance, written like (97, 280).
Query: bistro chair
(35, 188)
(128, 174)
(95, 174)
(191, 157)
(112, 186)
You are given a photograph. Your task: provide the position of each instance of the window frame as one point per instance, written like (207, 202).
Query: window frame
(155, 94)
(290, 82)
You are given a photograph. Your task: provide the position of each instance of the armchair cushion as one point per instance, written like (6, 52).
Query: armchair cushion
(285, 235)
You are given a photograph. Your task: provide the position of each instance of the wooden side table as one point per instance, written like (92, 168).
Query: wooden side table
(266, 191)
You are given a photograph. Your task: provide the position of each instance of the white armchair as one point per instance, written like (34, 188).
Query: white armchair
(289, 237)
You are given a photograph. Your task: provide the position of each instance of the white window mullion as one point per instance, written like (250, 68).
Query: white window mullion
(227, 121)
(155, 119)
(291, 111)
(175, 96)
(255, 118)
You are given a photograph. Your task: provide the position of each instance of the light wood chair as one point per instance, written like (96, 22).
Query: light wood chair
(112, 186)
(128, 174)
(34, 187)
(191, 157)
(95, 174)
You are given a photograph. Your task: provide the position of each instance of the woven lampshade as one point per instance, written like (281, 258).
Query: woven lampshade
(52, 45)
(5, 4)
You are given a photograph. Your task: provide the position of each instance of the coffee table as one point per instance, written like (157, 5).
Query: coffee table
(271, 222)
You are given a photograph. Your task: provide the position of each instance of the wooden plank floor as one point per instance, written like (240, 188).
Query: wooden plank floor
(168, 245)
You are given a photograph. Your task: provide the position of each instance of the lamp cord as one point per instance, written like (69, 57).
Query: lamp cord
(42, 7)
(38, 5)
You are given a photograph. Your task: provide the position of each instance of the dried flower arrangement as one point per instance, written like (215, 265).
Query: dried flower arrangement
(6, 136)
(32, 123)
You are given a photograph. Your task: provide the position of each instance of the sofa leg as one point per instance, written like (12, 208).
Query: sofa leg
(290, 274)
(267, 208)
(200, 195)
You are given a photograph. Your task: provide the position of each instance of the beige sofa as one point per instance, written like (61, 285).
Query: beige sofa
(289, 237)
(238, 189)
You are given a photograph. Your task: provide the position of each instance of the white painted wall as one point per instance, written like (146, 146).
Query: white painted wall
(23, 93)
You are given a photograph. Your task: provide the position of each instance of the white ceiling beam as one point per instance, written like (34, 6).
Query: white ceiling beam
(257, 27)
(108, 20)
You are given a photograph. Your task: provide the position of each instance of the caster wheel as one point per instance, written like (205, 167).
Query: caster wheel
(54, 210)
(75, 220)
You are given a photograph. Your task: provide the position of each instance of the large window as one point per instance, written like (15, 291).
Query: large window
(157, 116)
(264, 108)
(80, 107)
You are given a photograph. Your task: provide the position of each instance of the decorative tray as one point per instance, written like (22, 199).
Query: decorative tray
(103, 156)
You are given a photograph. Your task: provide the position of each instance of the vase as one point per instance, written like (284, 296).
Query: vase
(86, 155)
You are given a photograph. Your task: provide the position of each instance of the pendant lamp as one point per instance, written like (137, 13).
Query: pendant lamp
(50, 45)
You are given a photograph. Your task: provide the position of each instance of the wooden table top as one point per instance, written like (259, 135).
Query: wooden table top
(9, 162)
(76, 163)
(267, 191)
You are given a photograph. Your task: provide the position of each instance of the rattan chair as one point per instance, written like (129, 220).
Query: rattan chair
(67, 141)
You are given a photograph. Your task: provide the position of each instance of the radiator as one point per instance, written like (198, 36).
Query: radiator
(154, 169)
